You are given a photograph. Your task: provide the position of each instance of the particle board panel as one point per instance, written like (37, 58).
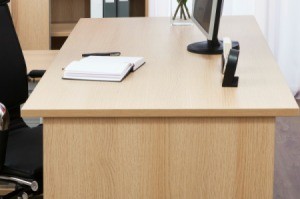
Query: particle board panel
(150, 158)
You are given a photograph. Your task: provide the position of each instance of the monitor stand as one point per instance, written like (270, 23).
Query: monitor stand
(210, 47)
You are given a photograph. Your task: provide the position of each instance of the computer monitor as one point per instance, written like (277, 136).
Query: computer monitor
(206, 15)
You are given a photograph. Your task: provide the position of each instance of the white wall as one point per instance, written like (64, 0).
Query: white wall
(96, 8)
(279, 21)
(161, 8)
(239, 7)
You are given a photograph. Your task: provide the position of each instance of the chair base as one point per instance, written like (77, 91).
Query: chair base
(25, 187)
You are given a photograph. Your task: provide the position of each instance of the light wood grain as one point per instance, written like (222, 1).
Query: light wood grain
(159, 158)
(173, 82)
(61, 29)
(39, 59)
(31, 19)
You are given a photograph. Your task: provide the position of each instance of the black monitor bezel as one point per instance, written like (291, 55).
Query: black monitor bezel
(216, 14)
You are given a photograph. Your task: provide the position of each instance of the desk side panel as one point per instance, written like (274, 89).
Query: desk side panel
(150, 158)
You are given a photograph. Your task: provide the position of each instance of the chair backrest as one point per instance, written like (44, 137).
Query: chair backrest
(13, 74)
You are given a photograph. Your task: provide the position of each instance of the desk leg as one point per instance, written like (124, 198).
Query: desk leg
(151, 158)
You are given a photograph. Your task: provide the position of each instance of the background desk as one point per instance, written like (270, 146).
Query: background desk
(169, 130)
(44, 24)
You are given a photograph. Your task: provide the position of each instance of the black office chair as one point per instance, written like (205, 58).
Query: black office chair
(21, 155)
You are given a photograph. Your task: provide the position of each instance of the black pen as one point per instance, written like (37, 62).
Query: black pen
(102, 54)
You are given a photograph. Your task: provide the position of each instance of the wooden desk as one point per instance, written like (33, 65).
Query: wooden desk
(169, 130)
(39, 59)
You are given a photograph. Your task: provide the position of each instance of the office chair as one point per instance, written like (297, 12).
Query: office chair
(21, 155)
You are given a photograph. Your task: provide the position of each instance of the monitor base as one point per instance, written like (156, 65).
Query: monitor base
(210, 47)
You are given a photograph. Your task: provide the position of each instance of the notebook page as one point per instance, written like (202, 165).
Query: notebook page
(96, 67)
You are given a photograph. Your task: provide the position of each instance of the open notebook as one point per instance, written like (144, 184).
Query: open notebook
(102, 68)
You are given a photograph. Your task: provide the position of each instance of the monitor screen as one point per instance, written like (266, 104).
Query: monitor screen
(202, 13)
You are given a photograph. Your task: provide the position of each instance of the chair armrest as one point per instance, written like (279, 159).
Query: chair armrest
(4, 125)
(36, 74)
(3, 146)
(4, 118)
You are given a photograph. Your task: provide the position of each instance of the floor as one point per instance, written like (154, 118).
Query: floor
(287, 158)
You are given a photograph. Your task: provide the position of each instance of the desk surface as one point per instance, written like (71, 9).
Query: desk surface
(173, 82)
(39, 59)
